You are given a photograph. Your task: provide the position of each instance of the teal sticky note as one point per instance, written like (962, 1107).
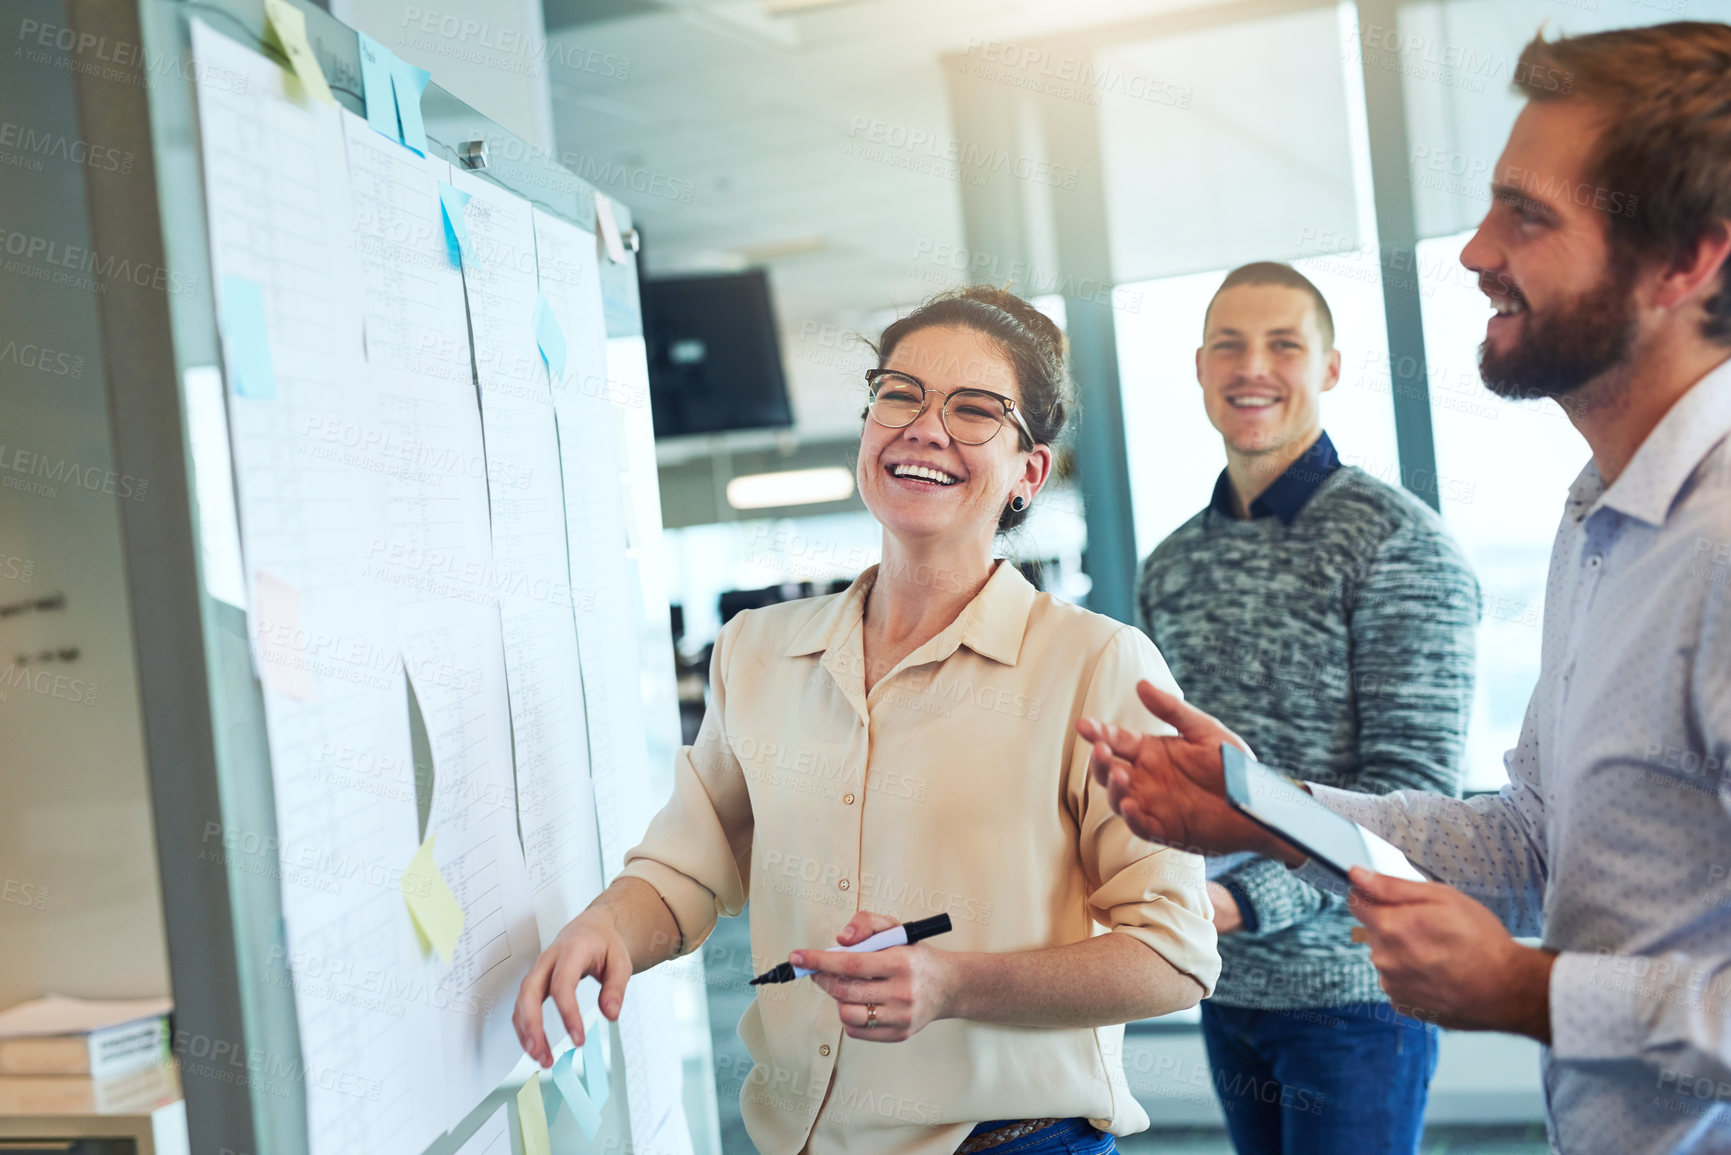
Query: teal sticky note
(451, 201)
(407, 84)
(595, 1064)
(549, 336)
(246, 338)
(587, 1114)
(585, 1102)
(551, 1099)
(377, 87)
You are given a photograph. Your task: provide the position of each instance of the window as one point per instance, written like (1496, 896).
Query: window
(1503, 470)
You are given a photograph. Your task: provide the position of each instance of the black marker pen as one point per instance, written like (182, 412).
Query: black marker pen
(902, 935)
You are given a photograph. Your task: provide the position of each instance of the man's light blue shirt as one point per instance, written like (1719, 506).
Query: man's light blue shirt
(1613, 837)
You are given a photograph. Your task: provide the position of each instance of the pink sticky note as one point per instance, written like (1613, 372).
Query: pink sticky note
(278, 640)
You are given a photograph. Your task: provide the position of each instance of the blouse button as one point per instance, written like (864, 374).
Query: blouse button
(823, 1050)
(847, 799)
(843, 884)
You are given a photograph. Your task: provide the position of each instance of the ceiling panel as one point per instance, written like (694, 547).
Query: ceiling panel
(729, 131)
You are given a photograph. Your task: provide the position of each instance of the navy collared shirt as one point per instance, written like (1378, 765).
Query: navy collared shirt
(1290, 490)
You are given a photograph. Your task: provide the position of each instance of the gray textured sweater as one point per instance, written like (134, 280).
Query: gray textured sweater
(1341, 648)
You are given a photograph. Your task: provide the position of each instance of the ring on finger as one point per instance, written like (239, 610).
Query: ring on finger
(871, 1015)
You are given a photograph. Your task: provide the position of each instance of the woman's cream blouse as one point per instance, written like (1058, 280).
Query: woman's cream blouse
(958, 784)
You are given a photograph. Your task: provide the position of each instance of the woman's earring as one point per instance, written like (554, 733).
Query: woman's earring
(1018, 503)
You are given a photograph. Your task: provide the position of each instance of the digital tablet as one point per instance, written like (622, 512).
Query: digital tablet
(1275, 803)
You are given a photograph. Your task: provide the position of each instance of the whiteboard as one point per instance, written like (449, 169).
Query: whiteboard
(441, 611)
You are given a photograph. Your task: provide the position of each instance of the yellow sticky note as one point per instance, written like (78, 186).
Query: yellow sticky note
(437, 913)
(532, 1118)
(290, 25)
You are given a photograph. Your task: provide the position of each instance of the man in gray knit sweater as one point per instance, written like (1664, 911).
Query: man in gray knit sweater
(1329, 619)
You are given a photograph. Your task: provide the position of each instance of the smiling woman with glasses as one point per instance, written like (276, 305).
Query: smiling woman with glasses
(904, 749)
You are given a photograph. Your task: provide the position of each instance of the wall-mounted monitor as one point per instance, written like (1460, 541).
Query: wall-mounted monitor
(714, 355)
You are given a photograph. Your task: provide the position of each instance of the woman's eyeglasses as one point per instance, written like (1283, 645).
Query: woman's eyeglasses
(970, 416)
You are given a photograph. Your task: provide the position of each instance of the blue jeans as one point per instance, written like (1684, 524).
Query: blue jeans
(1065, 1137)
(1349, 1080)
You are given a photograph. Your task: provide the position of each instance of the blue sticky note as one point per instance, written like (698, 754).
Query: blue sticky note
(452, 200)
(246, 338)
(585, 1103)
(587, 1114)
(595, 1064)
(377, 87)
(407, 83)
(551, 1099)
(549, 336)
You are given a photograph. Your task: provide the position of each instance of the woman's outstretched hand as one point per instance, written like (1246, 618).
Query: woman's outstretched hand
(590, 945)
(1172, 789)
(908, 985)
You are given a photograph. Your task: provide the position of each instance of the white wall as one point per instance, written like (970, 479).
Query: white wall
(490, 53)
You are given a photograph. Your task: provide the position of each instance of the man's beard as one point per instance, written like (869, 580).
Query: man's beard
(1569, 345)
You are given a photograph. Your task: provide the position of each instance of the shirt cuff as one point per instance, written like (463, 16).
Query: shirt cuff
(1246, 909)
(1596, 1010)
(690, 902)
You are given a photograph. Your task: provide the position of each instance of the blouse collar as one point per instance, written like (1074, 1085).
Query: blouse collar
(992, 625)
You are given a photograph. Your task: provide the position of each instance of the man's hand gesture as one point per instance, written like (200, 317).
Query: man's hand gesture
(1172, 789)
